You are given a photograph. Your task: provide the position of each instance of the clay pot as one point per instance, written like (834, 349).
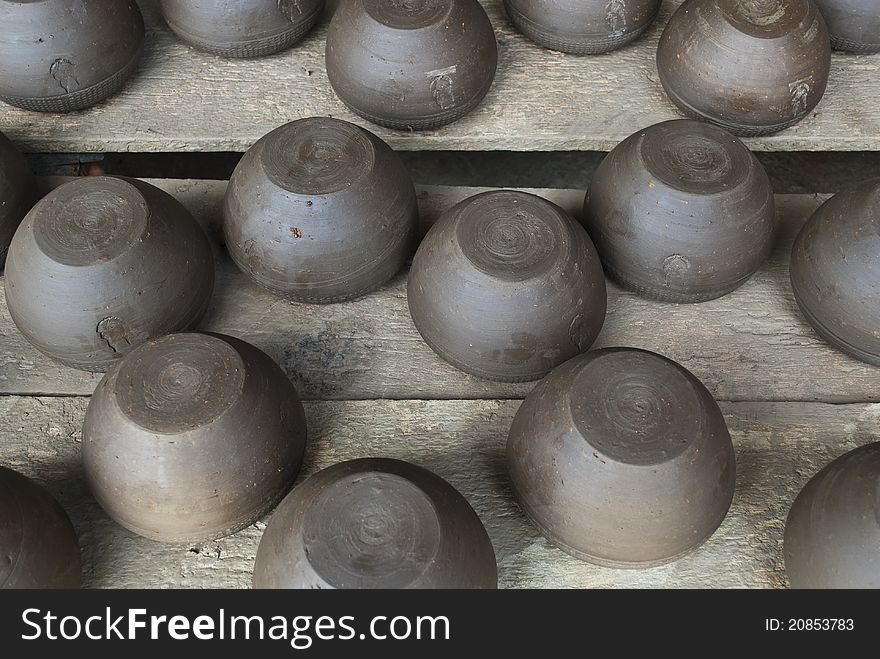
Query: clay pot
(681, 211)
(193, 437)
(854, 25)
(17, 193)
(102, 264)
(753, 67)
(622, 458)
(375, 523)
(832, 535)
(38, 544)
(835, 271)
(414, 65)
(582, 27)
(67, 55)
(320, 210)
(506, 286)
(242, 28)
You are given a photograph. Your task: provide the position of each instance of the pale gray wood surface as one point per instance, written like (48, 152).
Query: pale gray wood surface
(779, 447)
(184, 100)
(750, 345)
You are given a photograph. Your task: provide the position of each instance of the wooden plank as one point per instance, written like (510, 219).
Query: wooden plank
(184, 100)
(779, 447)
(750, 345)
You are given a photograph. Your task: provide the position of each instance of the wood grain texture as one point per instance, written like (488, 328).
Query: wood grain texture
(750, 345)
(779, 447)
(184, 100)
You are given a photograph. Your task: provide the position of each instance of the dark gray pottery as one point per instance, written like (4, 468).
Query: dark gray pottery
(582, 27)
(375, 523)
(681, 211)
(320, 210)
(67, 55)
(506, 286)
(242, 28)
(193, 437)
(622, 458)
(832, 535)
(835, 271)
(414, 64)
(102, 264)
(753, 67)
(854, 24)
(17, 193)
(38, 545)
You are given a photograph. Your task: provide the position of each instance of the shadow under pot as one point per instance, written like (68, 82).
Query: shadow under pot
(832, 534)
(37, 541)
(242, 28)
(320, 210)
(854, 25)
(506, 286)
(193, 437)
(753, 67)
(411, 65)
(582, 27)
(18, 193)
(835, 271)
(682, 212)
(102, 264)
(622, 458)
(375, 524)
(67, 55)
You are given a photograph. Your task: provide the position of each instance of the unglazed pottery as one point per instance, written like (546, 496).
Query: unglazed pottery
(506, 286)
(242, 28)
(193, 437)
(832, 535)
(582, 27)
(67, 55)
(38, 545)
(854, 25)
(835, 271)
(753, 67)
(102, 264)
(682, 212)
(320, 210)
(375, 523)
(622, 458)
(411, 64)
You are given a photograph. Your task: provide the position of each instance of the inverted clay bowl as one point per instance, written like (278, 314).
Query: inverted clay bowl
(17, 193)
(832, 536)
(753, 67)
(582, 27)
(193, 437)
(854, 24)
(622, 458)
(66, 55)
(242, 28)
(835, 271)
(38, 545)
(102, 264)
(375, 523)
(411, 64)
(681, 211)
(506, 286)
(320, 210)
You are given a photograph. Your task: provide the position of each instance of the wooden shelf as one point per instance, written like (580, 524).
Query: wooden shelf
(184, 100)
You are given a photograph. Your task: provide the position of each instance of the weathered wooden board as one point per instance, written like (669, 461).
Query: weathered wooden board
(750, 345)
(184, 100)
(779, 447)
